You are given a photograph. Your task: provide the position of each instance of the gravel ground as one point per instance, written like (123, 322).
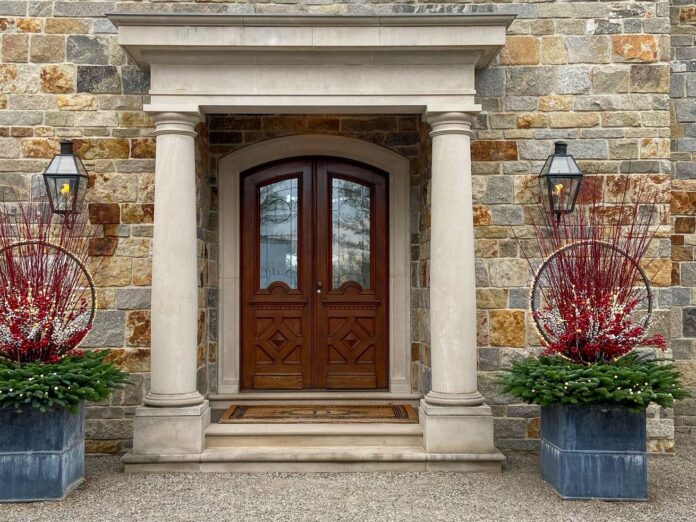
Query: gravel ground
(516, 494)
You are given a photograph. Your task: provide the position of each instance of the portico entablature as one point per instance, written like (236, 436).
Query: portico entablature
(310, 64)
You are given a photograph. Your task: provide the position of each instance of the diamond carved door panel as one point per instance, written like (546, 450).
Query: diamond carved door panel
(314, 276)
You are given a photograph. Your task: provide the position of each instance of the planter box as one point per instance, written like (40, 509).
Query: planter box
(42, 455)
(594, 452)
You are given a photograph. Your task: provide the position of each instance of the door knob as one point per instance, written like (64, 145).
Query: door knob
(319, 285)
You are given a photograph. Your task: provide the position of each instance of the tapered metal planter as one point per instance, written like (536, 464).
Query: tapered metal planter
(594, 452)
(42, 455)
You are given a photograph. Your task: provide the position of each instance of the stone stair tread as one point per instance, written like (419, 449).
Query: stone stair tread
(261, 430)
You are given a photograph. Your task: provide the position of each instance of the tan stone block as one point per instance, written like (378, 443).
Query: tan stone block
(3, 101)
(15, 48)
(112, 271)
(28, 25)
(494, 232)
(634, 48)
(520, 50)
(103, 447)
(483, 150)
(621, 119)
(570, 120)
(526, 189)
(687, 14)
(655, 148)
(58, 79)
(555, 103)
(133, 247)
(113, 188)
(532, 120)
(688, 372)
(486, 248)
(101, 148)
(77, 102)
(66, 26)
(47, 48)
(212, 352)
(142, 271)
(491, 297)
(482, 334)
(137, 213)
(16, 79)
(553, 50)
(482, 215)
(533, 428)
(138, 328)
(659, 271)
(131, 360)
(39, 148)
(143, 148)
(507, 328)
(135, 119)
(106, 298)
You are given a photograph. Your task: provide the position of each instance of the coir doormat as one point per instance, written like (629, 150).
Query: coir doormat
(401, 413)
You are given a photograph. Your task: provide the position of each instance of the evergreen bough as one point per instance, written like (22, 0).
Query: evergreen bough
(632, 381)
(64, 384)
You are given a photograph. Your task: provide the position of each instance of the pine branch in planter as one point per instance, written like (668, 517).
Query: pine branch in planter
(63, 384)
(630, 381)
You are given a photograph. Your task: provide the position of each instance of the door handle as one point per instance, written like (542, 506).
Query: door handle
(319, 285)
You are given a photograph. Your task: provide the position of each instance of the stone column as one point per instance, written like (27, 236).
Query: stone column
(175, 413)
(454, 418)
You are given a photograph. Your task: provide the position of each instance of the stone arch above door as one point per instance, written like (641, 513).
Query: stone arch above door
(397, 167)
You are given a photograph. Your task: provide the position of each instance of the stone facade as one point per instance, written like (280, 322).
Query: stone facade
(596, 74)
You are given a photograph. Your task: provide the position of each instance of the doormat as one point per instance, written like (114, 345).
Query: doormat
(401, 413)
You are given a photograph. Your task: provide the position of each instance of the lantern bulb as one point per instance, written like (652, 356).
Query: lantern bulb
(558, 188)
(65, 189)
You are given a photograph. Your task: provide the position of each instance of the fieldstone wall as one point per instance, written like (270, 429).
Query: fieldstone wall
(683, 105)
(596, 74)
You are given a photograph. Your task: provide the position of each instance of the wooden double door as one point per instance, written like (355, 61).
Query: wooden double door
(314, 276)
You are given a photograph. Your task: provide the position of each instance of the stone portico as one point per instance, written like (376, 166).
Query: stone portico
(305, 65)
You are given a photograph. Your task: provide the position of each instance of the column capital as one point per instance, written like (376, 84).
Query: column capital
(176, 123)
(449, 123)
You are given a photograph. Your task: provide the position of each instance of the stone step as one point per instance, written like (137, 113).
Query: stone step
(314, 435)
(314, 459)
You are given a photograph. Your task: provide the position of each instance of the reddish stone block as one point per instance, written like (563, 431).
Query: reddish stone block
(685, 225)
(137, 214)
(102, 246)
(143, 148)
(484, 150)
(104, 213)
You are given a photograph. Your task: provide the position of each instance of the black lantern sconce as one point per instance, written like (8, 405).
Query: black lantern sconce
(560, 181)
(66, 180)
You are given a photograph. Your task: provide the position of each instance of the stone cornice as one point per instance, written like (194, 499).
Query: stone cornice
(204, 20)
(162, 38)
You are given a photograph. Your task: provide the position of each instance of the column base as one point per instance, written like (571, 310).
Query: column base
(170, 431)
(457, 429)
(173, 400)
(454, 399)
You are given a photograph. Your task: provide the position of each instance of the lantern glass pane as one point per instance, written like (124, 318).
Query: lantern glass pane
(62, 190)
(562, 192)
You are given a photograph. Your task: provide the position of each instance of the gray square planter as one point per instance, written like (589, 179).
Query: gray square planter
(42, 455)
(594, 452)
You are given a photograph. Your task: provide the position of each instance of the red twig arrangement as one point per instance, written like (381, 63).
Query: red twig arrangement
(46, 292)
(591, 293)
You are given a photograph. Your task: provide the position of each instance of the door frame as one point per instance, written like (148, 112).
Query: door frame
(397, 167)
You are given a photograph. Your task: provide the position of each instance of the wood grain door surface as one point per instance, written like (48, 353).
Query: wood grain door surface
(314, 276)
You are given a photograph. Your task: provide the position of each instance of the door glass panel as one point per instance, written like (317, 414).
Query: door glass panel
(350, 244)
(278, 232)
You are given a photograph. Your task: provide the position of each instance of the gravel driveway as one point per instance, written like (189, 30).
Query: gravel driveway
(516, 494)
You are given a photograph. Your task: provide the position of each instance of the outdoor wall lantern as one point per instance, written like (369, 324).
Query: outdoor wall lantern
(560, 181)
(66, 180)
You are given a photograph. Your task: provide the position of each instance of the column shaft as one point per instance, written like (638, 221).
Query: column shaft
(174, 265)
(452, 264)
